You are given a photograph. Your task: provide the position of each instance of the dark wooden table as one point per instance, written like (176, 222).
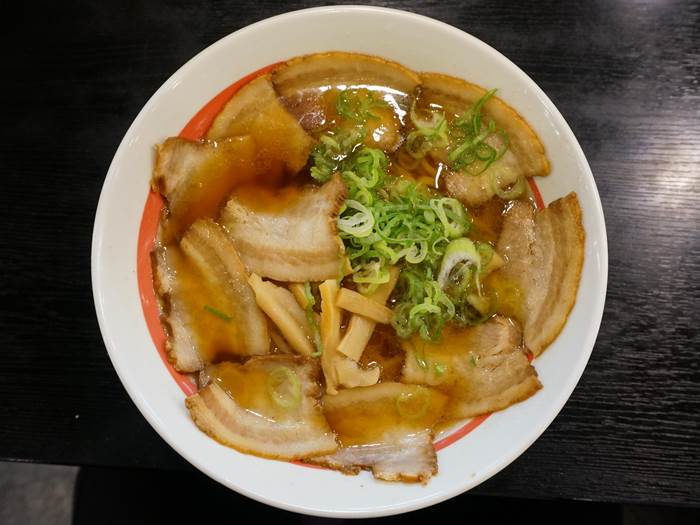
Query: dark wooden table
(626, 76)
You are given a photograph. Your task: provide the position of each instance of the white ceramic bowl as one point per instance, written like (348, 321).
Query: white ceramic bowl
(422, 44)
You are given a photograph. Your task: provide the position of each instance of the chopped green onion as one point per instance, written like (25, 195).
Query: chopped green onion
(389, 221)
(420, 356)
(358, 224)
(429, 134)
(472, 117)
(469, 147)
(440, 368)
(417, 252)
(458, 251)
(284, 387)
(395, 221)
(479, 303)
(486, 252)
(309, 296)
(452, 216)
(333, 148)
(356, 105)
(217, 313)
(515, 191)
(368, 276)
(425, 311)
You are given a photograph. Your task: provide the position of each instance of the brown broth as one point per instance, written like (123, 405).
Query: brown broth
(487, 221)
(506, 296)
(249, 389)
(271, 191)
(274, 192)
(214, 337)
(268, 199)
(316, 110)
(384, 350)
(209, 185)
(413, 408)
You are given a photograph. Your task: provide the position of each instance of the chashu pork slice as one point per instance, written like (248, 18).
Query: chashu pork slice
(281, 142)
(456, 96)
(475, 190)
(525, 156)
(208, 307)
(309, 87)
(195, 177)
(293, 240)
(403, 456)
(270, 406)
(386, 428)
(338, 68)
(482, 368)
(543, 250)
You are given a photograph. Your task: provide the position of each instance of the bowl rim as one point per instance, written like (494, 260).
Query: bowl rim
(534, 433)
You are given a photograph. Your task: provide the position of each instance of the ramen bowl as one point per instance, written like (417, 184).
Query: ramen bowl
(125, 224)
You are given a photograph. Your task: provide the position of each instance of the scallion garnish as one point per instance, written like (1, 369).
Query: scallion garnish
(284, 387)
(469, 134)
(217, 313)
(356, 105)
(515, 190)
(333, 148)
(420, 356)
(428, 134)
(358, 224)
(388, 221)
(459, 251)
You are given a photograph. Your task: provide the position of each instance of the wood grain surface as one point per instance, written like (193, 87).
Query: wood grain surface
(625, 75)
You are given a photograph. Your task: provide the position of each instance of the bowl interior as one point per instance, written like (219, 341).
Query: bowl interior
(393, 35)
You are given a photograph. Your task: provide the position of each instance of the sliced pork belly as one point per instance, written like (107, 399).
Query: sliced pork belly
(456, 96)
(482, 368)
(403, 457)
(475, 190)
(256, 111)
(294, 240)
(309, 87)
(196, 177)
(254, 138)
(543, 251)
(525, 155)
(270, 406)
(385, 428)
(181, 343)
(239, 113)
(343, 70)
(209, 309)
